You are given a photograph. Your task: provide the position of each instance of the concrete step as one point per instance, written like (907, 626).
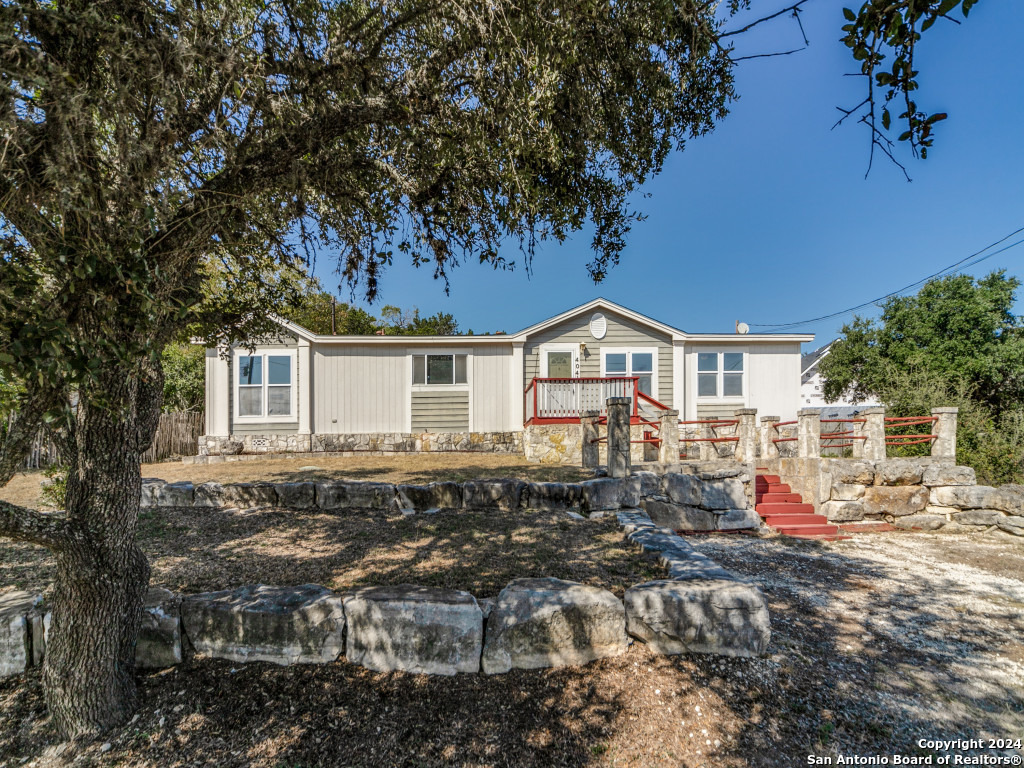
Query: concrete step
(776, 521)
(807, 530)
(779, 498)
(768, 479)
(777, 488)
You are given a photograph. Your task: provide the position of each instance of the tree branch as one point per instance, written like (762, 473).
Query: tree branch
(763, 19)
(24, 524)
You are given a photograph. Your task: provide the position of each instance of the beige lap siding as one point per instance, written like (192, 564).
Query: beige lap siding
(440, 411)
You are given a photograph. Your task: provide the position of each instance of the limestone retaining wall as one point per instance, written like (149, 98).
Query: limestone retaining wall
(533, 623)
(362, 443)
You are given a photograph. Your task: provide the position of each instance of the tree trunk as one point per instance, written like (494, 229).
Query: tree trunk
(102, 576)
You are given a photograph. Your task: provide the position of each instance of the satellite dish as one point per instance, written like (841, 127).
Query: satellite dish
(742, 328)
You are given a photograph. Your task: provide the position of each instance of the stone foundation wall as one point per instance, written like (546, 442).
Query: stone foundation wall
(534, 622)
(374, 442)
(563, 444)
(920, 493)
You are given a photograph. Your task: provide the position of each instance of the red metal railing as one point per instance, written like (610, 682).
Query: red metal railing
(711, 424)
(829, 437)
(776, 426)
(899, 422)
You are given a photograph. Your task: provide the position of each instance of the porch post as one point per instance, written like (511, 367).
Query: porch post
(808, 433)
(874, 430)
(668, 431)
(746, 431)
(590, 448)
(618, 436)
(944, 446)
(769, 448)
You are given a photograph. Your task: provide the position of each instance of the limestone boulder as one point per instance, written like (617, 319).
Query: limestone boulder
(21, 632)
(249, 495)
(416, 629)
(296, 495)
(420, 498)
(552, 496)
(852, 472)
(946, 474)
(209, 495)
(174, 494)
(1006, 498)
(548, 622)
(895, 500)
(609, 493)
(1012, 524)
(680, 517)
(843, 511)
(847, 491)
(283, 625)
(343, 494)
(979, 517)
(149, 490)
(683, 489)
(898, 472)
(503, 494)
(633, 519)
(650, 483)
(739, 520)
(659, 540)
(693, 565)
(159, 642)
(923, 522)
(724, 494)
(717, 616)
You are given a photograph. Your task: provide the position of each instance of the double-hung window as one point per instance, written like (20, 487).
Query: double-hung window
(629, 363)
(720, 374)
(439, 369)
(265, 385)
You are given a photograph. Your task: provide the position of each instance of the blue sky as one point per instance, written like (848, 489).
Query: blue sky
(770, 219)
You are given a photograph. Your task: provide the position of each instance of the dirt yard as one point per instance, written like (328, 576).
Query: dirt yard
(400, 468)
(878, 642)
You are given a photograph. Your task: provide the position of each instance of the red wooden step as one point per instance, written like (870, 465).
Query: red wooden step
(806, 530)
(779, 498)
(784, 509)
(778, 488)
(776, 521)
(768, 479)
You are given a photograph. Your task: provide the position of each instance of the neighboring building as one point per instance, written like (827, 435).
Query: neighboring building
(812, 388)
(302, 391)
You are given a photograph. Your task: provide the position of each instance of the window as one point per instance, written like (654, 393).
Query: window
(719, 374)
(265, 386)
(629, 363)
(439, 369)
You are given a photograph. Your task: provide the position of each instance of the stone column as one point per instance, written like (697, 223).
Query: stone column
(859, 431)
(769, 448)
(944, 446)
(808, 433)
(668, 452)
(874, 430)
(707, 451)
(746, 431)
(618, 436)
(590, 448)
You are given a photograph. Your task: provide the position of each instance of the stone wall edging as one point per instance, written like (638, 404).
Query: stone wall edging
(383, 628)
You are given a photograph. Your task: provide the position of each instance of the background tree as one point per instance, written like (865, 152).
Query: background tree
(148, 149)
(956, 342)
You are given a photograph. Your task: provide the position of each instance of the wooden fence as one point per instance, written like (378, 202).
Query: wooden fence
(177, 435)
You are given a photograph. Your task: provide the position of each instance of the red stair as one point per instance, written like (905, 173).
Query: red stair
(785, 511)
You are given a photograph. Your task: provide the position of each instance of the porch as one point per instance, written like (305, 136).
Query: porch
(565, 400)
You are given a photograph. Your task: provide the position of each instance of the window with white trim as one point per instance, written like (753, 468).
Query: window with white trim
(628, 363)
(439, 369)
(265, 385)
(720, 374)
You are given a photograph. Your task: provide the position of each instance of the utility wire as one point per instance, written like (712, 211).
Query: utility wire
(950, 268)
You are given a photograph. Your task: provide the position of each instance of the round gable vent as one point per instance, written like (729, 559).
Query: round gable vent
(598, 326)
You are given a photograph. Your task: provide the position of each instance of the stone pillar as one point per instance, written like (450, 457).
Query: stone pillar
(944, 446)
(707, 451)
(668, 452)
(874, 430)
(618, 436)
(769, 448)
(859, 431)
(808, 433)
(590, 448)
(746, 431)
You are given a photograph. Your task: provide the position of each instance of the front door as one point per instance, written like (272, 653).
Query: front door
(560, 396)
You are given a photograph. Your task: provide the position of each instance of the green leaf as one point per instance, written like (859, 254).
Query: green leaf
(886, 119)
(849, 14)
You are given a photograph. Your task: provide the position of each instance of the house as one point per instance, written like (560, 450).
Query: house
(301, 391)
(812, 388)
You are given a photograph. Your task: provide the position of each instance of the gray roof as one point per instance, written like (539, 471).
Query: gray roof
(806, 361)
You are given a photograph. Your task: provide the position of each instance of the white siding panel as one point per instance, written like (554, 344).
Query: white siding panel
(775, 379)
(360, 389)
(492, 389)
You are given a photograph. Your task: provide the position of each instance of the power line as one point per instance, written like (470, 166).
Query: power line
(943, 271)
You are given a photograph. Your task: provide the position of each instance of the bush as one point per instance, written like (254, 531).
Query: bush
(54, 489)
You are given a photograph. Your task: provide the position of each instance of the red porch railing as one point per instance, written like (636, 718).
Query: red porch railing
(899, 422)
(828, 438)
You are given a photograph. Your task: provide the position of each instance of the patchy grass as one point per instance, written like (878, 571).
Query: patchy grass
(412, 468)
(197, 550)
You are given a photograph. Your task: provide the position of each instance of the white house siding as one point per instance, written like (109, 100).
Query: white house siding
(362, 388)
(440, 410)
(771, 382)
(493, 385)
(622, 332)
